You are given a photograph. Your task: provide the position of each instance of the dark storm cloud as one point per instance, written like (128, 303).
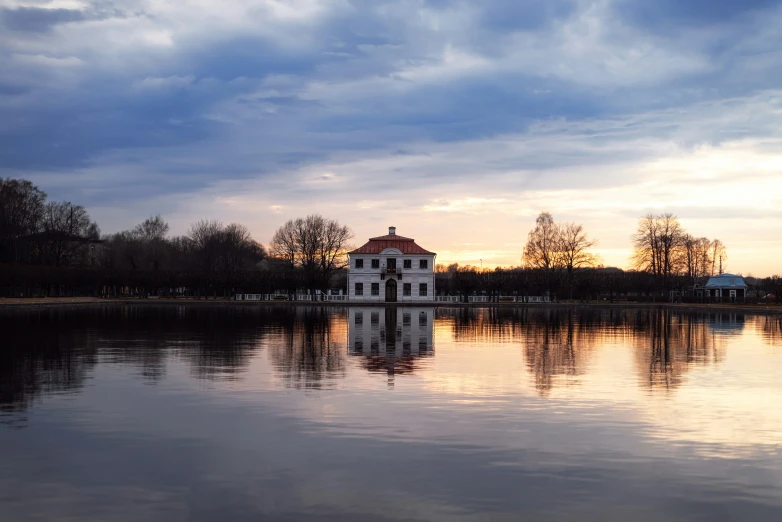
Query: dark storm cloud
(662, 13)
(42, 19)
(37, 20)
(514, 15)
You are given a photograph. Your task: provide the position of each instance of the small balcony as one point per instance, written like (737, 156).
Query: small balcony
(393, 271)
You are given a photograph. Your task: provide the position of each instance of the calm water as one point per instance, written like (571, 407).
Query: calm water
(359, 414)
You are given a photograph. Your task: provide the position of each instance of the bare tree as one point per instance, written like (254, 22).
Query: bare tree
(21, 212)
(221, 252)
(152, 228)
(284, 243)
(657, 242)
(308, 237)
(66, 229)
(124, 250)
(238, 251)
(152, 233)
(332, 250)
(719, 257)
(553, 247)
(542, 244)
(204, 244)
(695, 256)
(316, 244)
(773, 285)
(574, 245)
(573, 251)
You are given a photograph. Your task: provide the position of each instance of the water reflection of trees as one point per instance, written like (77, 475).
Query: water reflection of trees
(668, 343)
(42, 355)
(770, 327)
(216, 342)
(53, 350)
(558, 342)
(307, 345)
(555, 345)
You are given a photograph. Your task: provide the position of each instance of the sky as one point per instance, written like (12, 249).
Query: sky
(457, 122)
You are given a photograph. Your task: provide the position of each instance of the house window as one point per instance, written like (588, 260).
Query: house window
(422, 289)
(359, 263)
(422, 319)
(407, 289)
(423, 264)
(374, 318)
(408, 263)
(375, 288)
(375, 263)
(359, 317)
(359, 288)
(391, 263)
(406, 319)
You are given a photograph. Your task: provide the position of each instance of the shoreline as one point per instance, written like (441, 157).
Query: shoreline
(49, 302)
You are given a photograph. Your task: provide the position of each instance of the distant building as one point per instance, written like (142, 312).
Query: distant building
(391, 269)
(729, 288)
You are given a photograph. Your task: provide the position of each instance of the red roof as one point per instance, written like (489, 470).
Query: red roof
(378, 244)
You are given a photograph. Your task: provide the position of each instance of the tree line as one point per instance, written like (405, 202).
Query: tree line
(55, 248)
(558, 261)
(663, 248)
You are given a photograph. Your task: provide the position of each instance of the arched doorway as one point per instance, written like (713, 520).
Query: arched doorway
(391, 291)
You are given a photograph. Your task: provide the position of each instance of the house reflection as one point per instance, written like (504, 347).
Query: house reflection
(391, 340)
(726, 323)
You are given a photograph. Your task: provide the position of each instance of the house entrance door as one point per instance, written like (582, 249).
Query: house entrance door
(391, 291)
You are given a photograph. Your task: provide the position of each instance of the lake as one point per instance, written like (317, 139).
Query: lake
(233, 413)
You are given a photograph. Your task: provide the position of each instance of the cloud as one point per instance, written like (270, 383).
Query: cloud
(162, 83)
(46, 61)
(693, 13)
(37, 20)
(366, 109)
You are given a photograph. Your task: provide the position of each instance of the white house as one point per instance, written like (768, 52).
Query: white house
(726, 287)
(391, 269)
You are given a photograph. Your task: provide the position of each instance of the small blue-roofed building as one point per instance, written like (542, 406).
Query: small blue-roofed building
(728, 288)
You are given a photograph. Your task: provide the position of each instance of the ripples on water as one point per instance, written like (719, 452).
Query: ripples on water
(280, 413)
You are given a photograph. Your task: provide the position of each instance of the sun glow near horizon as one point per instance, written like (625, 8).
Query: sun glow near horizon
(731, 192)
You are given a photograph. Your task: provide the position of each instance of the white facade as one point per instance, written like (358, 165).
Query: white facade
(391, 268)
